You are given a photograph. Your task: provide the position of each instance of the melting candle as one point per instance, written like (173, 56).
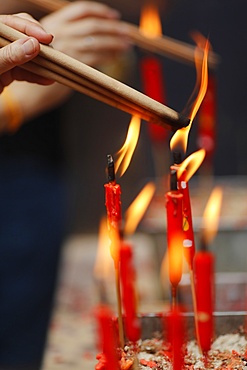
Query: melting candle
(107, 337)
(204, 270)
(113, 207)
(204, 285)
(174, 200)
(188, 242)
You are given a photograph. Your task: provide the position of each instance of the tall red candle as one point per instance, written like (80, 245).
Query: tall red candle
(127, 278)
(189, 241)
(204, 286)
(174, 200)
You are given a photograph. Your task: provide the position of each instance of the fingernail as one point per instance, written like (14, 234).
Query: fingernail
(29, 47)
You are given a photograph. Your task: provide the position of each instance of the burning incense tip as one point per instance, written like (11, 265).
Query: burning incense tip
(110, 168)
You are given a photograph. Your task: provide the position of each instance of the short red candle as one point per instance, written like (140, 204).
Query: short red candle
(107, 337)
(153, 86)
(174, 201)
(189, 241)
(204, 286)
(128, 277)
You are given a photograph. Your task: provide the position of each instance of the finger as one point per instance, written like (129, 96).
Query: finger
(92, 26)
(17, 53)
(101, 43)
(98, 59)
(84, 9)
(20, 74)
(29, 27)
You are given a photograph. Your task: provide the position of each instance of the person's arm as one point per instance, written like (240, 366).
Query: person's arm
(88, 31)
(21, 51)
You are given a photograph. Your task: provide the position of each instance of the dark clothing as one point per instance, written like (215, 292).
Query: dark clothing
(32, 228)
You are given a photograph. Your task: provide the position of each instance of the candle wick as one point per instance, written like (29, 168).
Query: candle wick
(110, 168)
(173, 180)
(203, 244)
(177, 157)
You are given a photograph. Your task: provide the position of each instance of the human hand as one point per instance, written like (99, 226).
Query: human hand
(21, 51)
(88, 31)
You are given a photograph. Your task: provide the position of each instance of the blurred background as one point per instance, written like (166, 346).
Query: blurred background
(89, 130)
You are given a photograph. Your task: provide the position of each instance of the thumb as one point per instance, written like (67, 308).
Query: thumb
(18, 52)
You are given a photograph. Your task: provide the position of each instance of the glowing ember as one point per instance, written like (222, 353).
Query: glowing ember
(138, 207)
(126, 152)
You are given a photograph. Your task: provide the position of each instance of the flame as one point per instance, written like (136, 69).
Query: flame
(191, 164)
(180, 139)
(211, 215)
(124, 155)
(150, 23)
(138, 207)
(103, 261)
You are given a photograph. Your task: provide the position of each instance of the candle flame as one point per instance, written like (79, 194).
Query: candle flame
(138, 207)
(103, 262)
(211, 215)
(125, 154)
(179, 140)
(191, 164)
(150, 23)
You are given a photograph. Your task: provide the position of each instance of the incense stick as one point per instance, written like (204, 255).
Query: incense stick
(90, 81)
(162, 45)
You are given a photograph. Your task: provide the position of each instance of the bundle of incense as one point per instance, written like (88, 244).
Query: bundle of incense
(52, 64)
(162, 45)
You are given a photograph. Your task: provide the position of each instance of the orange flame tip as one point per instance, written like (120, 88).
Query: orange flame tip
(211, 215)
(180, 138)
(138, 207)
(125, 154)
(191, 164)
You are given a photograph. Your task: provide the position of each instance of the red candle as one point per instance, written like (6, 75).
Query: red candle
(174, 200)
(127, 277)
(189, 241)
(113, 207)
(204, 286)
(107, 337)
(153, 86)
(176, 337)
